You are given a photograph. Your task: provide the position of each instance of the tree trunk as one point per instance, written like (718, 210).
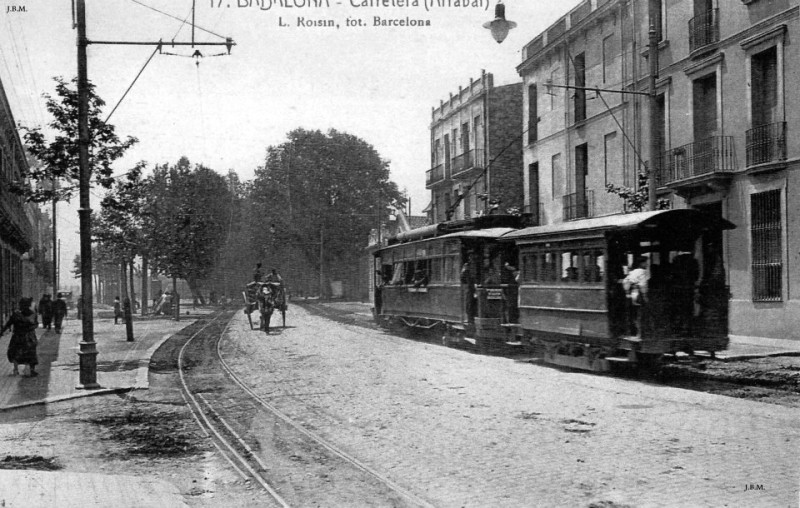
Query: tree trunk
(126, 303)
(176, 301)
(132, 287)
(145, 286)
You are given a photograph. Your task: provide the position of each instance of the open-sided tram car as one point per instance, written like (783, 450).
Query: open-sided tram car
(450, 275)
(572, 305)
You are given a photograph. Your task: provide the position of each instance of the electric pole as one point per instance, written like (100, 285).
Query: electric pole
(652, 56)
(88, 347)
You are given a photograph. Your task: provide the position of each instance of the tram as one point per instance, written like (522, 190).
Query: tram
(453, 275)
(573, 304)
(557, 290)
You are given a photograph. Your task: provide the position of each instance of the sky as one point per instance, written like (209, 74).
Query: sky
(376, 82)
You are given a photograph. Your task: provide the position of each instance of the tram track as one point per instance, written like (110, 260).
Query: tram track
(291, 463)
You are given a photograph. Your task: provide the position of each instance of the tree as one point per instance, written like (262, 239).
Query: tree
(59, 158)
(637, 200)
(118, 227)
(315, 201)
(186, 213)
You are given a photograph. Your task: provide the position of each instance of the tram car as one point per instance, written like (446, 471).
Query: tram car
(454, 276)
(576, 307)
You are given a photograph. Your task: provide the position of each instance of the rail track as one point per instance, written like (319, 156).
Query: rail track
(292, 464)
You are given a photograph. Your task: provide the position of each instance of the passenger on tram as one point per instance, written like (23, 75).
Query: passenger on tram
(468, 289)
(636, 286)
(420, 278)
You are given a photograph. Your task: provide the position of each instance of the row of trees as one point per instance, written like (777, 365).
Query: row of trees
(307, 212)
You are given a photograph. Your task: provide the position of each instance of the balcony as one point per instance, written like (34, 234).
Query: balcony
(703, 30)
(434, 175)
(766, 144)
(698, 167)
(579, 205)
(471, 159)
(14, 224)
(533, 214)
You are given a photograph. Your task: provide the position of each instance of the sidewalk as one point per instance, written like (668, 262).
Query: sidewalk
(121, 365)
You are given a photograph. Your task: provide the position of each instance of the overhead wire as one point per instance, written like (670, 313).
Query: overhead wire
(15, 83)
(177, 18)
(39, 108)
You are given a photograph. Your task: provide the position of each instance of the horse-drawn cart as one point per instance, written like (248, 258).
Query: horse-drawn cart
(266, 298)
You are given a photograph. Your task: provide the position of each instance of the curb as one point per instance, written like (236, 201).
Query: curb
(140, 383)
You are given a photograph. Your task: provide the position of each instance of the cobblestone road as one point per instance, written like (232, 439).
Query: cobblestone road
(461, 429)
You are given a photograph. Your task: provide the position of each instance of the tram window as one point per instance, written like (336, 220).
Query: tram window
(550, 268)
(593, 262)
(569, 266)
(409, 272)
(530, 267)
(398, 275)
(449, 263)
(386, 274)
(435, 274)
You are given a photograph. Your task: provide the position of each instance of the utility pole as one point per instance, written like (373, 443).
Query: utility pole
(652, 56)
(55, 247)
(321, 262)
(87, 346)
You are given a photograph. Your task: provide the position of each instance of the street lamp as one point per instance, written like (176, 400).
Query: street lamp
(499, 26)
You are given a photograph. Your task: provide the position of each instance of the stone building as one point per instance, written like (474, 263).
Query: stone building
(21, 253)
(476, 151)
(723, 119)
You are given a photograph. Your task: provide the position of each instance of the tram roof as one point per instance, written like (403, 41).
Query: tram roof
(681, 222)
(480, 233)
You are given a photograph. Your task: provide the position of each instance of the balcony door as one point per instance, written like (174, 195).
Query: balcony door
(447, 155)
(764, 89)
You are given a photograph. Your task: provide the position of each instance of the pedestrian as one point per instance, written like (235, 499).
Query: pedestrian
(79, 308)
(117, 310)
(59, 311)
(22, 346)
(46, 310)
(636, 286)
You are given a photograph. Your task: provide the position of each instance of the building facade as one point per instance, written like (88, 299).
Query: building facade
(21, 252)
(476, 151)
(723, 118)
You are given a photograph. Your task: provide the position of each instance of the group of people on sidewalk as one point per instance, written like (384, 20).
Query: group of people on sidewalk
(52, 311)
(23, 324)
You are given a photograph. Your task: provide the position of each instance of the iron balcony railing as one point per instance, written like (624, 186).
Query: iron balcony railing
(579, 205)
(766, 143)
(467, 160)
(711, 155)
(704, 29)
(533, 214)
(434, 175)
(11, 207)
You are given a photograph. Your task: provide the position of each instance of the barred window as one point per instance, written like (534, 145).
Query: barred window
(766, 232)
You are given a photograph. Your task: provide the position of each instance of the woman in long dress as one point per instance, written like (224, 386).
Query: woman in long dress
(22, 346)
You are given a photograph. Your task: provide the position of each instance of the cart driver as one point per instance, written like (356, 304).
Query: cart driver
(274, 276)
